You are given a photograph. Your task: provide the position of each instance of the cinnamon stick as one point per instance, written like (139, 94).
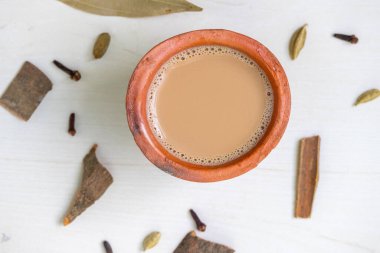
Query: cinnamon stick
(26, 91)
(96, 180)
(193, 244)
(307, 175)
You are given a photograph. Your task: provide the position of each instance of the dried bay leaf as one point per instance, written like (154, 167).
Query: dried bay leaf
(26, 91)
(151, 240)
(367, 96)
(297, 41)
(132, 8)
(101, 45)
(96, 180)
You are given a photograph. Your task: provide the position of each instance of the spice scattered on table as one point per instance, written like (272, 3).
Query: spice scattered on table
(367, 96)
(307, 175)
(200, 225)
(101, 45)
(96, 179)
(297, 41)
(26, 91)
(107, 247)
(349, 38)
(74, 74)
(193, 244)
(72, 130)
(151, 240)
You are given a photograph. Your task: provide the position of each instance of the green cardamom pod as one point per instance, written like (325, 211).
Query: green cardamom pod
(101, 45)
(367, 96)
(297, 41)
(151, 240)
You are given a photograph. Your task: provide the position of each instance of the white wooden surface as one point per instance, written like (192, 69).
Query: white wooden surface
(40, 164)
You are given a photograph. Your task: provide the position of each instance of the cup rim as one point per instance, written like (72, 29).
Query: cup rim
(152, 61)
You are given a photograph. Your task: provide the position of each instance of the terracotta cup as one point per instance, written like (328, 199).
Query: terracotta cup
(151, 63)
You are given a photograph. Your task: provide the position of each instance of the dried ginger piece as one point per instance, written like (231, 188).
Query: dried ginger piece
(96, 180)
(193, 244)
(26, 91)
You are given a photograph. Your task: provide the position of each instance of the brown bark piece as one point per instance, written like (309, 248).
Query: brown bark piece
(307, 176)
(26, 91)
(193, 244)
(96, 180)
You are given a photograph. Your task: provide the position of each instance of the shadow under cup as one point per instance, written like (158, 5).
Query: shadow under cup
(149, 65)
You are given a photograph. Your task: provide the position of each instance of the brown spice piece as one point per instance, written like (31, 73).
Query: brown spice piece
(307, 176)
(107, 247)
(26, 91)
(96, 180)
(74, 74)
(200, 225)
(349, 38)
(72, 130)
(193, 244)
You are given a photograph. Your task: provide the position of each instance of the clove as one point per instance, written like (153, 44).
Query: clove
(349, 38)
(200, 225)
(72, 130)
(107, 247)
(74, 74)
